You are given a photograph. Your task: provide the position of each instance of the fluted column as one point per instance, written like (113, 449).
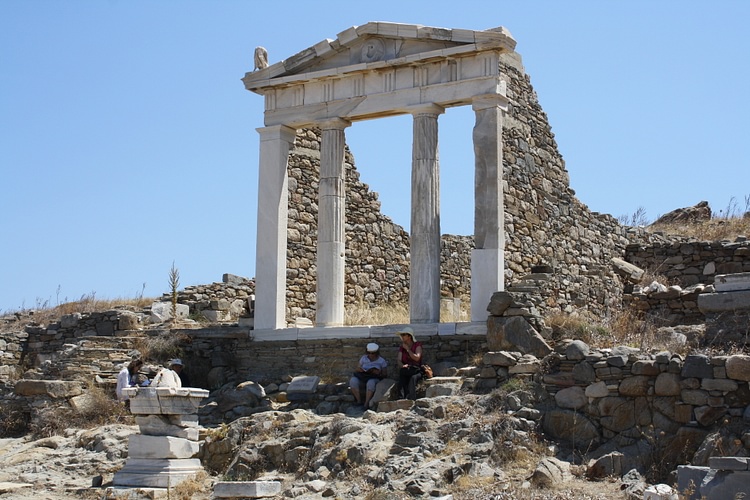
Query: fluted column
(424, 280)
(331, 220)
(487, 258)
(273, 207)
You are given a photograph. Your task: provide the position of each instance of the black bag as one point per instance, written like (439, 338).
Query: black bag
(426, 371)
(365, 376)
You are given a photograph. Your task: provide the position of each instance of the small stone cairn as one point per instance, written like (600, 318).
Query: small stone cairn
(162, 455)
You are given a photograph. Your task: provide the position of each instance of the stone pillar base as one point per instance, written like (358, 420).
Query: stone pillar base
(156, 472)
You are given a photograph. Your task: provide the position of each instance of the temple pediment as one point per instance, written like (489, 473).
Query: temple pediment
(377, 46)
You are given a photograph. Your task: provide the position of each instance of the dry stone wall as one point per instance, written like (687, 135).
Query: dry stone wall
(688, 262)
(215, 356)
(683, 269)
(659, 407)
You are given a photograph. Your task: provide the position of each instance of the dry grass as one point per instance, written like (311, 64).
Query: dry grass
(389, 314)
(163, 347)
(196, 488)
(44, 312)
(730, 222)
(100, 408)
(394, 314)
(712, 230)
(623, 327)
(13, 421)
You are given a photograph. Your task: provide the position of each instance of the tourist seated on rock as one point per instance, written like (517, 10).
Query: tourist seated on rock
(371, 369)
(178, 367)
(167, 377)
(410, 363)
(128, 377)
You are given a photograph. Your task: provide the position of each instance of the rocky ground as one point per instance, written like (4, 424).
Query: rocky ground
(465, 446)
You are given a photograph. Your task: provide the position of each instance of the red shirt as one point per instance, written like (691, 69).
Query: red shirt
(408, 360)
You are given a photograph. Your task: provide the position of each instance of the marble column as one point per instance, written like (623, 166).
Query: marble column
(331, 220)
(424, 280)
(487, 258)
(273, 205)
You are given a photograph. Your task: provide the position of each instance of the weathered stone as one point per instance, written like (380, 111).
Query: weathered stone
(627, 270)
(158, 447)
(608, 465)
(162, 312)
(303, 384)
(667, 384)
(515, 334)
(502, 358)
(738, 367)
(571, 397)
(52, 388)
(696, 213)
(635, 386)
(617, 414)
(160, 425)
(694, 397)
(698, 366)
(576, 350)
(689, 480)
(584, 373)
(727, 485)
(729, 463)
(246, 489)
(659, 492)
(156, 472)
(718, 384)
(550, 472)
(499, 303)
(571, 427)
(645, 367)
(732, 282)
(128, 321)
(707, 415)
(725, 301)
(597, 390)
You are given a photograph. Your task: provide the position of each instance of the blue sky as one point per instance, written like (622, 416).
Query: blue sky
(127, 141)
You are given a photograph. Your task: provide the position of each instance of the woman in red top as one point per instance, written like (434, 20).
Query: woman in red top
(410, 361)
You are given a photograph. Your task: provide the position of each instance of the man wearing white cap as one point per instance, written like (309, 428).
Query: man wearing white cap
(371, 369)
(167, 377)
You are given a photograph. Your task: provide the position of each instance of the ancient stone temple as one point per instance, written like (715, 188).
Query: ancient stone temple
(372, 71)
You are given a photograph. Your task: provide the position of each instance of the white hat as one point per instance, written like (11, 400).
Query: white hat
(176, 361)
(373, 347)
(407, 331)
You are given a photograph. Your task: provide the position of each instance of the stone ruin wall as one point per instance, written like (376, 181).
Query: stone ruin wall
(686, 267)
(544, 224)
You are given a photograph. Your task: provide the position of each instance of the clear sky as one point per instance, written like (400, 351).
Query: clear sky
(127, 140)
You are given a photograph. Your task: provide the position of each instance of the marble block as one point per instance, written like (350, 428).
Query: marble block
(156, 447)
(165, 400)
(305, 384)
(732, 282)
(156, 473)
(246, 489)
(161, 425)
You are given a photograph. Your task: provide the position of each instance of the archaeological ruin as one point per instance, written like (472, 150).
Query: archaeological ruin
(323, 245)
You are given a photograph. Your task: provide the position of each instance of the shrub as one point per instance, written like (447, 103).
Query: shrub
(97, 409)
(164, 346)
(13, 421)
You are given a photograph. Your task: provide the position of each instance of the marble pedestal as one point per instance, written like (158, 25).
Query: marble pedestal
(161, 456)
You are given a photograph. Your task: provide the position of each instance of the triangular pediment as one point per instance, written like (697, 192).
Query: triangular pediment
(377, 45)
